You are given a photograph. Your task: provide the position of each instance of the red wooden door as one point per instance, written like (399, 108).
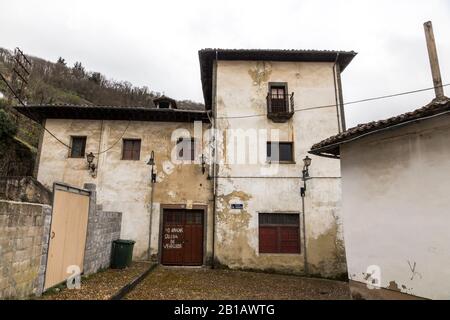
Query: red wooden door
(182, 242)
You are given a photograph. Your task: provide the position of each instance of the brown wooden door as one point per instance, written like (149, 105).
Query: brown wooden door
(182, 242)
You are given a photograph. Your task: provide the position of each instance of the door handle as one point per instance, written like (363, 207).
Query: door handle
(52, 235)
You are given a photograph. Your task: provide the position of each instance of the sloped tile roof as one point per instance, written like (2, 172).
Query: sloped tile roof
(330, 146)
(99, 112)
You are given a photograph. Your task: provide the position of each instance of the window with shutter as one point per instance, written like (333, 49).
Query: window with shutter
(279, 233)
(131, 149)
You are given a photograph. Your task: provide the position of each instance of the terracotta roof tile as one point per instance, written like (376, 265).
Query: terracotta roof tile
(330, 146)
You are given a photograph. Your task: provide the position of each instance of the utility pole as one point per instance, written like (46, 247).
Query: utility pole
(434, 62)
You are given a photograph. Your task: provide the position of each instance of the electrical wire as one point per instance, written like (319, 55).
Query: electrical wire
(231, 117)
(30, 115)
(345, 103)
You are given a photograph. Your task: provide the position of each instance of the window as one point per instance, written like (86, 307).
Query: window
(280, 151)
(186, 149)
(279, 233)
(131, 149)
(164, 105)
(278, 97)
(277, 92)
(78, 147)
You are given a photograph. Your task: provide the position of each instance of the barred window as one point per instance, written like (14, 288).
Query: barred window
(279, 233)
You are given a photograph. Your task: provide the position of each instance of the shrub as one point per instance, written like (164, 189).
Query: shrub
(8, 127)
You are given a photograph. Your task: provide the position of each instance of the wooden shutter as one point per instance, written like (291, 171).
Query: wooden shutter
(289, 240)
(136, 150)
(268, 239)
(279, 233)
(131, 149)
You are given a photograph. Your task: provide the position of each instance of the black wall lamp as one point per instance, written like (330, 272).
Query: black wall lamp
(151, 162)
(305, 174)
(91, 165)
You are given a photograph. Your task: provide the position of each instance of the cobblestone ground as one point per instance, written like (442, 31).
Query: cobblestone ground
(199, 283)
(99, 286)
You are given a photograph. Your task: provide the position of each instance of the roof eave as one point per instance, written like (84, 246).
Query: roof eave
(208, 56)
(41, 112)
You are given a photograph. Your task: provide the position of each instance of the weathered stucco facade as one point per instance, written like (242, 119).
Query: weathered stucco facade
(395, 203)
(125, 185)
(241, 88)
(240, 187)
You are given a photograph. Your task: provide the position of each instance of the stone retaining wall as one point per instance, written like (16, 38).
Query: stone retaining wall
(24, 239)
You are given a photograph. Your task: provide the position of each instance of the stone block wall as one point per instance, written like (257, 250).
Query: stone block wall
(24, 189)
(22, 237)
(103, 229)
(24, 241)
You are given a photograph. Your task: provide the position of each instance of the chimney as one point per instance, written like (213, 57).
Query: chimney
(434, 62)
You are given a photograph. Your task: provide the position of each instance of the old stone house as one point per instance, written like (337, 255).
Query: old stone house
(227, 180)
(395, 203)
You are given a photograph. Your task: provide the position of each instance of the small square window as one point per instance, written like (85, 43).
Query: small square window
(131, 149)
(280, 151)
(78, 147)
(186, 149)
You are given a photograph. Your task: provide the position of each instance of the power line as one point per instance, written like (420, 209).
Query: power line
(123, 133)
(345, 103)
(30, 115)
(230, 117)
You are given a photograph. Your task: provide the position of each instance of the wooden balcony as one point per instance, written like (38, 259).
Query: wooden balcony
(280, 107)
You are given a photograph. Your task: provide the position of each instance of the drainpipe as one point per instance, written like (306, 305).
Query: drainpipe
(150, 222)
(215, 163)
(99, 147)
(305, 258)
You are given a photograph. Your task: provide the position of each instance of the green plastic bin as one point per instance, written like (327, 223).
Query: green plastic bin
(122, 253)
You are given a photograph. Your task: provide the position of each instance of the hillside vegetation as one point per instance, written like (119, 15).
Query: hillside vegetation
(56, 82)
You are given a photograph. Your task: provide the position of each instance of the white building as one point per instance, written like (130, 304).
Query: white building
(245, 211)
(267, 99)
(396, 204)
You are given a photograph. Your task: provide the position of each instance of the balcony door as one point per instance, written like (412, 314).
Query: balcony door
(278, 97)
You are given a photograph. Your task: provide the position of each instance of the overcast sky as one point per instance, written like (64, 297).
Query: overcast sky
(155, 43)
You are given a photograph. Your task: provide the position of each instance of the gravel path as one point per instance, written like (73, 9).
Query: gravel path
(200, 283)
(99, 286)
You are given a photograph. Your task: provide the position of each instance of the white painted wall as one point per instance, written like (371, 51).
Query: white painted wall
(242, 87)
(124, 185)
(396, 207)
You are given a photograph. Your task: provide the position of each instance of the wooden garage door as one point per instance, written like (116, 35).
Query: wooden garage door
(67, 233)
(182, 242)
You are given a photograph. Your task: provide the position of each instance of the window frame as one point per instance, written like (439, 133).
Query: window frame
(278, 227)
(193, 147)
(270, 160)
(278, 84)
(83, 149)
(133, 140)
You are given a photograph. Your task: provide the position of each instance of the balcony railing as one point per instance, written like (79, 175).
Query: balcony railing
(280, 107)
